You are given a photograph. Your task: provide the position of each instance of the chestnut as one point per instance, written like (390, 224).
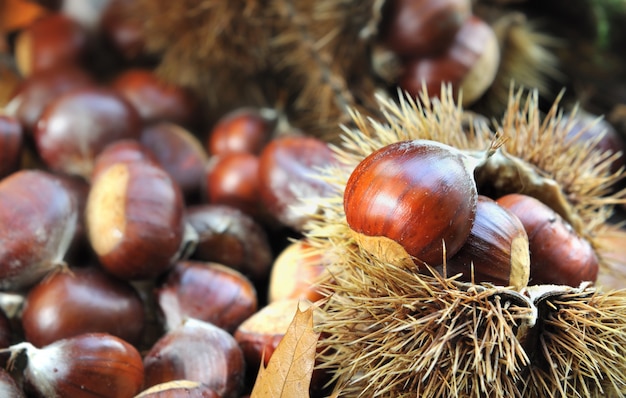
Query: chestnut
(35, 92)
(180, 153)
(295, 273)
(155, 99)
(179, 389)
(287, 177)
(38, 217)
(259, 335)
(134, 218)
(410, 200)
(197, 351)
(558, 255)
(470, 65)
(418, 28)
(242, 130)
(123, 33)
(52, 40)
(83, 300)
(11, 142)
(122, 151)
(83, 366)
(76, 126)
(208, 292)
(233, 179)
(8, 386)
(230, 237)
(496, 250)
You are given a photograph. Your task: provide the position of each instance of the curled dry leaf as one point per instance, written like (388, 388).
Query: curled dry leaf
(289, 371)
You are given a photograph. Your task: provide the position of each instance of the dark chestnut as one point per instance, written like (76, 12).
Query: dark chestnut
(241, 130)
(52, 40)
(496, 250)
(35, 92)
(38, 216)
(558, 255)
(228, 236)
(418, 28)
(134, 218)
(76, 126)
(179, 389)
(83, 300)
(197, 351)
(288, 166)
(233, 179)
(122, 151)
(192, 285)
(155, 99)
(180, 153)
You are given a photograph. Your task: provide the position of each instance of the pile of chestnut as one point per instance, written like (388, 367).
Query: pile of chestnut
(147, 253)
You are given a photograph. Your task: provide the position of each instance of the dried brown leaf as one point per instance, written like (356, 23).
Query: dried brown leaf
(288, 373)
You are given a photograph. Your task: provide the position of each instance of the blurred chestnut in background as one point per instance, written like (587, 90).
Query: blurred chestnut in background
(122, 32)
(83, 300)
(233, 179)
(76, 126)
(228, 236)
(180, 153)
(197, 351)
(52, 40)
(287, 169)
(11, 142)
(417, 28)
(295, 273)
(134, 218)
(558, 255)
(123, 151)
(155, 99)
(242, 130)
(38, 217)
(35, 92)
(208, 292)
(469, 64)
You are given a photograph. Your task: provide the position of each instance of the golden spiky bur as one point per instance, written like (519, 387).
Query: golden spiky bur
(392, 332)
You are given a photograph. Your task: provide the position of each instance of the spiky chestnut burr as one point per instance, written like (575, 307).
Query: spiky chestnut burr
(407, 334)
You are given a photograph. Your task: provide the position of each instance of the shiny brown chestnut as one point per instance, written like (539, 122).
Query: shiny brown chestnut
(84, 366)
(76, 127)
(11, 142)
(469, 64)
(35, 92)
(134, 218)
(558, 255)
(52, 40)
(38, 217)
(209, 292)
(412, 201)
(228, 236)
(180, 153)
(418, 28)
(242, 130)
(197, 351)
(155, 99)
(179, 389)
(122, 31)
(83, 300)
(288, 166)
(122, 151)
(295, 273)
(233, 179)
(496, 250)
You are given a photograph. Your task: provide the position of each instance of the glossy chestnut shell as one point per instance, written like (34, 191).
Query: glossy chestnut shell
(419, 194)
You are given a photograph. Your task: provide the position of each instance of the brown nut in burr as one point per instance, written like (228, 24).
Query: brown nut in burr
(558, 255)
